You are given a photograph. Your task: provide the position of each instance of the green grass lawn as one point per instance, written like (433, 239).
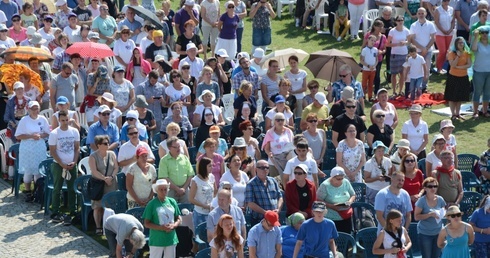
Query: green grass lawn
(471, 135)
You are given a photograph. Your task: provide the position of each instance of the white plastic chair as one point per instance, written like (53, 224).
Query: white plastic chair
(368, 18)
(260, 102)
(84, 162)
(48, 113)
(319, 14)
(280, 3)
(5, 146)
(228, 110)
(82, 119)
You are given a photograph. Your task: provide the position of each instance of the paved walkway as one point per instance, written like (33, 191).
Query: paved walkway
(25, 232)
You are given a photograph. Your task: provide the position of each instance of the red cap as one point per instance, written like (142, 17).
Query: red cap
(273, 218)
(140, 151)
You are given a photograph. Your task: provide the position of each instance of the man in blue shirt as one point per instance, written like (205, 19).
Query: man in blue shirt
(317, 234)
(9, 8)
(133, 25)
(103, 126)
(346, 79)
(264, 239)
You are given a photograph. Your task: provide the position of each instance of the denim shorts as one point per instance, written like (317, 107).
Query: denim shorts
(261, 37)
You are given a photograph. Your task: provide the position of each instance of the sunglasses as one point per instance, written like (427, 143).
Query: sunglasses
(50, 21)
(279, 120)
(104, 143)
(263, 168)
(380, 116)
(455, 215)
(409, 161)
(432, 186)
(105, 114)
(350, 106)
(131, 119)
(343, 75)
(15, 20)
(240, 148)
(186, 67)
(314, 87)
(231, 7)
(483, 32)
(175, 76)
(313, 121)
(400, 20)
(133, 133)
(299, 173)
(227, 188)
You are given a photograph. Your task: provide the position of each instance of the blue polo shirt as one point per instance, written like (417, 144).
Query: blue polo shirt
(97, 129)
(264, 241)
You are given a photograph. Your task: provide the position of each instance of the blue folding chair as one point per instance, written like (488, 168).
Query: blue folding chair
(469, 203)
(81, 188)
(365, 239)
(121, 181)
(466, 162)
(360, 190)
(201, 236)
(45, 170)
(204, 253)
(470, 181)
(117, 201)
(343, 242)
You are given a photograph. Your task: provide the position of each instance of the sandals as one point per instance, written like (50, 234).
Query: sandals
(475, 115)
(99, 232)
(486, 114)
(461, 117)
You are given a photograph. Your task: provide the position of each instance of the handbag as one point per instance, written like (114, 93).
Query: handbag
(346, 214)
(96, 186)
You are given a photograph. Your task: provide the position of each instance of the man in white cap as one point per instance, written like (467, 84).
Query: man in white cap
(29, 32)
(103, 126)
(105, 25)
(246, 73)
(195, 62)
(62, 16)
(4, 39)
(349, 117)
(346, 79)
(187, 12)
(320, 108)
(64, 84)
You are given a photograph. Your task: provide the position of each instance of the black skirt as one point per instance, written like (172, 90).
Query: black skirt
(457, 88)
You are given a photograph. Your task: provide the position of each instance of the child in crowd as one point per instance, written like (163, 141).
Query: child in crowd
(341, 19)
(446, 130)
(28, 18)
(415, 70)
(369, 61)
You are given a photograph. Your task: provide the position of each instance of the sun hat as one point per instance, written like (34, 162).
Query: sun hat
(228, 3)
(258, 53)
(93, 35)
(132, 114)
(60, 2)
(36, 38)
(124, 27)
(239, 142)
(221, 52)
(102, 71)
(321, 98)
(33, 103)
(214, 129)
(415, 108)
(403, 143)
(18, 85)
(140, 151)
(204, 92)
(379, 144)
(337, 171)
(107, 96)
(318, 206)
(158, 183)
(31, 30)
(189, 2)
(446, 123)
(103, 108)
(438, 137)
(453, 210)
(141, 101)
(62, 100)
(243, 54)
(272, 217)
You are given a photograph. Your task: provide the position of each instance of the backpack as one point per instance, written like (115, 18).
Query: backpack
(184, 247)
(38, 192)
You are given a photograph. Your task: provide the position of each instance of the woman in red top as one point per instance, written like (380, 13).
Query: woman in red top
(413, 177)
(300, 193)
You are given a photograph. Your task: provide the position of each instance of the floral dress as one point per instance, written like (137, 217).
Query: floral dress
(351, 157)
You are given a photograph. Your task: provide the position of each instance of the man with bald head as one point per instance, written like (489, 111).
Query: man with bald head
(262, 193)
(225, 207)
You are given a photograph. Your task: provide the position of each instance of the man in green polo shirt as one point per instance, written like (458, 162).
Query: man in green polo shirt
(176, 169)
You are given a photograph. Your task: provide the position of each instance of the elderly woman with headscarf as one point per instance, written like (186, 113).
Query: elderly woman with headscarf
(278, 141)
(289, 233)
(132, 119)
(480, 221)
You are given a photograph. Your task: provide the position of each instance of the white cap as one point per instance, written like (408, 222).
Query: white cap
(18, 85)
(33, 103)
(158, 183)
(103, 108)
(321, 98)
(258, 53)
(190, 46)
(189, 2)
(31, 30)
(221, 52)
(337, 171)
(60, 2)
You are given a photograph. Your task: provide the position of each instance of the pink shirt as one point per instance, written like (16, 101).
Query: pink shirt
(18, 36)
(217, 161)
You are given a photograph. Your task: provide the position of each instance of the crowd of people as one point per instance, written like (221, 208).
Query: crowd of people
(154, 113)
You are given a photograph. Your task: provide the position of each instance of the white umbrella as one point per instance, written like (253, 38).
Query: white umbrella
(283, 55)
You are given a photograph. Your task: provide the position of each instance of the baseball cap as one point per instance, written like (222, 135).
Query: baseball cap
(33, 104)
(321, 98)
(279, 99)
(18, 85)
(62, 100)
(318, 206)
(272, 217)
(190, 46)
(140, 151)
(214, 129)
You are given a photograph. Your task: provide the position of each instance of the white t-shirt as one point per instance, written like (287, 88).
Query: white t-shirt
(238, 188)
(27, 125)
(271, 113)
(33, 93)
(212, 11)
(65, 143)
(124, 50)
(216, 111)
(397, 37)
(292, 163)
(128, 150)
(415, 135)
(144, 43)
(228, 250)
(416, 65)
(72, 33)
(8, 42)
(422, 33)
(297, 82)
(371, 166)
(178, 95)
(370, 56)
(434, 160)
(47, 36)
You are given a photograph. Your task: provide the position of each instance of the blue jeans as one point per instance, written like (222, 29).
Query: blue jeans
(239, 36)
(415, 87)
(198, 218)
(481, 86)
(428, 246)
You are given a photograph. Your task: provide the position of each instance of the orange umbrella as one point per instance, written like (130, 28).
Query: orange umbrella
(23, 54)
(9, 74)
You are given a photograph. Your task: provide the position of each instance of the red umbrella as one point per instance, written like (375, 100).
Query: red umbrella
(90, 49)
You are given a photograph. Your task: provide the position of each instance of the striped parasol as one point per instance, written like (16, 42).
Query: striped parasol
(90, 49)
(23, 54)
